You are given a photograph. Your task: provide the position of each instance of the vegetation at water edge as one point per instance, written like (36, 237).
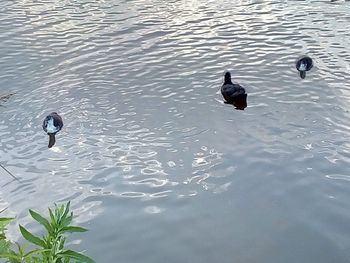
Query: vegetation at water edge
(51, 247)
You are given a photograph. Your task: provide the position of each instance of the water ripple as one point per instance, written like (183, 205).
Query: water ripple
(137, 84)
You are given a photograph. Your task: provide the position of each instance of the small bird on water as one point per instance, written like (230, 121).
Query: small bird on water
(52, 124)
(233, 93)
(304, 64)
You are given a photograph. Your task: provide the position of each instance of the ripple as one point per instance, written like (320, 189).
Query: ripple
(338, 177)
(137, 84)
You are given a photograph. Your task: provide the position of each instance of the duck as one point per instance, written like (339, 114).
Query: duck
(304, 64)
(52, 124)
(233, 93)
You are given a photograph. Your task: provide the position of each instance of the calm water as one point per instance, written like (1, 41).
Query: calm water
(156, 166)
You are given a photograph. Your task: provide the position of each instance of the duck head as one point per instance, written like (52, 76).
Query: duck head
(227, 79)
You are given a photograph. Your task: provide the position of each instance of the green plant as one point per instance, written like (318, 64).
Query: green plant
(4, 243)
(50, 248)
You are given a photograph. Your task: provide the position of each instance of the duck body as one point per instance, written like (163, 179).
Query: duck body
(304, 64)
(233, 93)
(52, 124)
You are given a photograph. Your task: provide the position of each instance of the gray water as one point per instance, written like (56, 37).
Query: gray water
(156, 166)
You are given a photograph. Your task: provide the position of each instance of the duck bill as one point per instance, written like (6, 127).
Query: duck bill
(52, 140)
(303, 74)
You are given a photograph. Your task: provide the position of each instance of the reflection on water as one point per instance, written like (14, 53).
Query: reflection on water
(150, 156)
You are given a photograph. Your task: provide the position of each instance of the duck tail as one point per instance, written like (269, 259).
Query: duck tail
(303, 74)
(52, 140)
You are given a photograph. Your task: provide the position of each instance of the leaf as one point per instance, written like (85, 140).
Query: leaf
(53, 219)
(35, 260)
(4, 246)
(59, 210)
(9, 255)
(72, 229)
(67, 220)
(6, 219)
(66, 210)
(36, 251)
(20, 248)
(61, 243)
(31, 238)
(76, 256)
(43, 221)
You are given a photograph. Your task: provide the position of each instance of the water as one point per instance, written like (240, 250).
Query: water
(156, 166)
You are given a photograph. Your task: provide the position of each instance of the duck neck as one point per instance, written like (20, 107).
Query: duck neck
(52, 140)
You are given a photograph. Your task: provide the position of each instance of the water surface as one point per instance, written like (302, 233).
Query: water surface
(156, 166)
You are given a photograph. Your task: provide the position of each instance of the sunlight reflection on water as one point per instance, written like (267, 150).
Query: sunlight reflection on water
(148, 143)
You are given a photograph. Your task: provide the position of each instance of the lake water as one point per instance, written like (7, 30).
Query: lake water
(156, 166)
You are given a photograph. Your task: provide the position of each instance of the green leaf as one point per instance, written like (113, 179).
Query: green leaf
(67, 220)
(9, 255)
(61, 243)
(76, 256)
(72, 229)
(59, 210)
(31, 238)
(4, 246)
(43, 221)
(66, 211)
(36, 251)
(20, 248)
(6, 219)
(53, 219)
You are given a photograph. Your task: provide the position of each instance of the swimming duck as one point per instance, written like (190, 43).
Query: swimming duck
(52, 124)
(304, 64)
(233, 93)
